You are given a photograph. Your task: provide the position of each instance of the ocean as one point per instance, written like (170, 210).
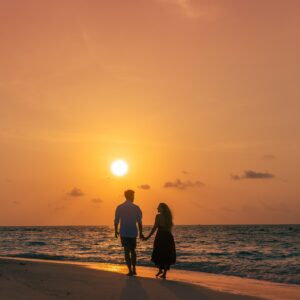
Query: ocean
(263, 252)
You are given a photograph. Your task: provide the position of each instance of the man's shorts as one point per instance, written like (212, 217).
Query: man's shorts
(128, 242)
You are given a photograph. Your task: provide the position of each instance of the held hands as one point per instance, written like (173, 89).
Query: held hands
(143, 238)
(146, 238)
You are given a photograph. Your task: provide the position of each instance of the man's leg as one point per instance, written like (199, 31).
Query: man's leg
(128, 259)
(133, 260)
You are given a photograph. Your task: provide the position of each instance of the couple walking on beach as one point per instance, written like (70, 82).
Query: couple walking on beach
(129, 215)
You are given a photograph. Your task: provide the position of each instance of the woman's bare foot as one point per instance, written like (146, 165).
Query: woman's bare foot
(164, 275)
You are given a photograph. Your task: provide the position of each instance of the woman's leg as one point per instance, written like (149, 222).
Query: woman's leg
(164, 274)
(159, 271)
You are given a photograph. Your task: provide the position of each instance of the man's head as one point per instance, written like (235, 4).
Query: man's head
(129, 195)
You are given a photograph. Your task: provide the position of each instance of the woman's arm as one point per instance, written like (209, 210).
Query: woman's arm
(155, 226)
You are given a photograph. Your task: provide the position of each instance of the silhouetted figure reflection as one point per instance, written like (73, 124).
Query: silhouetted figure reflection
(164, 252)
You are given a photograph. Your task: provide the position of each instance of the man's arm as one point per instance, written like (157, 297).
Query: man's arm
(141, 229)
(117, 219)
(116, 230)
(140, 224)
(155, 226)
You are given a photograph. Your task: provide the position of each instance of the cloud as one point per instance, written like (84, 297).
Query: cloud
(249, 208)
(144, 187)
(187, 8)
(185, 172)
(183, 185)
(59, 208)
(97, 200)
(268, 156)
(228, 209)
(197, 204)
(184, 5)
(193, 10)
(75, 192)
(278, 207)
(250, 174)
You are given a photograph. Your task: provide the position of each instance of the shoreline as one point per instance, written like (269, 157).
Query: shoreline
(150, 225)
(202, 282)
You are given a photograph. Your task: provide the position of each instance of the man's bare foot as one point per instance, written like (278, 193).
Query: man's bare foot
(134, 272)
(130, 273)
(159, 272)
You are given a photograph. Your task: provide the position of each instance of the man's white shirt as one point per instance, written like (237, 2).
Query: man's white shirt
(128, 214)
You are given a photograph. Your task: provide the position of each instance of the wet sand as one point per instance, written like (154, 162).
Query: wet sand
(29, 279)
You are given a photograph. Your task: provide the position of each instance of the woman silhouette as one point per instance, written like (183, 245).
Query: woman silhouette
(164, 253)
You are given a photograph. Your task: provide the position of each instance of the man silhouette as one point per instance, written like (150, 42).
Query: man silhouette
(128, 214)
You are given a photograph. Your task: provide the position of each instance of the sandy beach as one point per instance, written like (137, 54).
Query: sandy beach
(28, 279)
(24, 280)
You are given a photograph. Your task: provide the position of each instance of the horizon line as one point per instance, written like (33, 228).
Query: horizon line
(217, 224)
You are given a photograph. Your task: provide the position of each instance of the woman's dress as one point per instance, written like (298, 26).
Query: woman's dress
(164, 252)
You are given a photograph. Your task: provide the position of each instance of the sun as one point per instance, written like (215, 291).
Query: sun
(119, 167)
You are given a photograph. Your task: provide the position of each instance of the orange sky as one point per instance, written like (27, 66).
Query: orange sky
(200, 97)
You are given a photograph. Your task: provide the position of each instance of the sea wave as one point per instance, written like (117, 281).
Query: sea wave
(283, 276)
(40, 256)
(266, 252)
(35, 243)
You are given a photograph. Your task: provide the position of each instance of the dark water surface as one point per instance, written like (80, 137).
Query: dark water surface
(268, 252)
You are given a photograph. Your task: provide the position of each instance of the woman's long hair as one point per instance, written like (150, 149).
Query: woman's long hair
(167, 215)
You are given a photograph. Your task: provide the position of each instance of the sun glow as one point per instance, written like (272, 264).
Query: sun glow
(119, 167)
